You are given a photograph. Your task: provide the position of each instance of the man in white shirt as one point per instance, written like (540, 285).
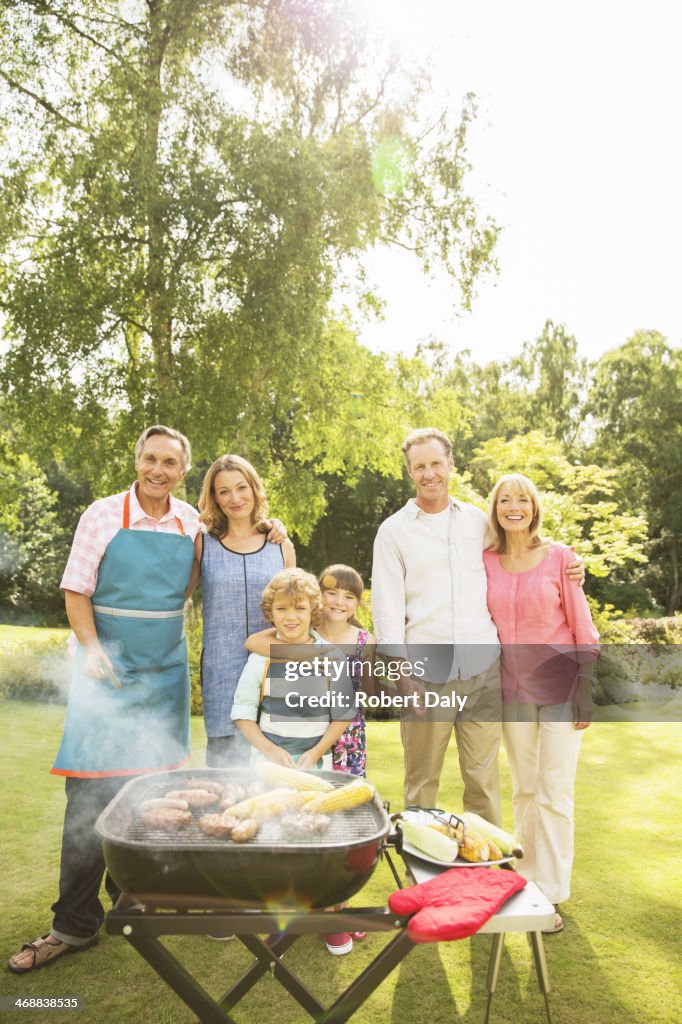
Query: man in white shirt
(429, 589)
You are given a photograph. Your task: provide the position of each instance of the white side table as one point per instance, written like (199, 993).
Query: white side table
(526, 911)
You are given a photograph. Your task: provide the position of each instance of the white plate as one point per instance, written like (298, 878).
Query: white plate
(424, 818)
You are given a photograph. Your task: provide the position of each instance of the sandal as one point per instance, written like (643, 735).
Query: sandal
(44, 953)
(558, 925)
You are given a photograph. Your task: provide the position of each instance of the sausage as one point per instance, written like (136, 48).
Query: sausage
(205, 783)
(166, 818)
(194, 797)
(232, 793)
(218, 826)
(164, 801)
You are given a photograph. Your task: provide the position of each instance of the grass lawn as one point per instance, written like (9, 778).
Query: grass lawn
(14, 638)
(618, 959)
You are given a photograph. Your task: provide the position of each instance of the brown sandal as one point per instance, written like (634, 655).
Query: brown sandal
(44, 953)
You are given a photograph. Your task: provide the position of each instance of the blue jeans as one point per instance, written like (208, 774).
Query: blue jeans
(78, 913)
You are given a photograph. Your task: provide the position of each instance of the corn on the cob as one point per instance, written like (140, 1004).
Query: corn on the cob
(446, 829)
(280, 775)
(494, 852)
(508, 843)
(473, 848)
(269, 805)
(342, 799)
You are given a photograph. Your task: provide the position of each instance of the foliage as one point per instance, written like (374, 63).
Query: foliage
(182, 185)
(32, 540)
(636, 405)
(33, 664)
(542, 389)
(578, 501)
(194, 633)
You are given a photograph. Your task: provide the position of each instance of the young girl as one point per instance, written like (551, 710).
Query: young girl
(341, 588)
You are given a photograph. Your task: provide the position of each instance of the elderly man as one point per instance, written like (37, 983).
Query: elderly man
(429, 601)
(125, 585)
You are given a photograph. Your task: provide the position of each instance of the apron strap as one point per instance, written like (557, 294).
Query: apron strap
(126, 515)
(262, 690)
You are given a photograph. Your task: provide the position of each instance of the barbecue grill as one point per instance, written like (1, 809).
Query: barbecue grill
(188, 884)
(269, 870)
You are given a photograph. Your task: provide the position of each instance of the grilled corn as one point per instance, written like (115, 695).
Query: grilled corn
(342, 798)
(508, 843)
(474, 848)
(446, 829)
(269, 805)
(280, 775)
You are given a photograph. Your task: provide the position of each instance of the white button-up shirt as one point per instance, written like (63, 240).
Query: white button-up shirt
(431, 590)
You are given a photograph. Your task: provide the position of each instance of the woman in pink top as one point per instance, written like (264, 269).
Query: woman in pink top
(548, 649)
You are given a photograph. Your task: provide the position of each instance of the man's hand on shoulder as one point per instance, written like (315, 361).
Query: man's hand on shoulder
(275, 529)
(575, 570)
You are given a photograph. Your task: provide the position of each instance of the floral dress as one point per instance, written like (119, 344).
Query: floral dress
(349, 753)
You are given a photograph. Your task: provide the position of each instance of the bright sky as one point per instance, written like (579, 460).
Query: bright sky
(577, 153)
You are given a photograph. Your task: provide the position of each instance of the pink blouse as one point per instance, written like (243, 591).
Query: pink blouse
(544, 624)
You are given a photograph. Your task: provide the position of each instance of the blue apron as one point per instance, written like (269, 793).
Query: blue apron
(138, 603)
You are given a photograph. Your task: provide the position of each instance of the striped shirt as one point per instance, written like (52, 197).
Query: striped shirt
(102, 520)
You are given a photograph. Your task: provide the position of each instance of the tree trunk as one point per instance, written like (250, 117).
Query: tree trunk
(674, 588)
(160, 319)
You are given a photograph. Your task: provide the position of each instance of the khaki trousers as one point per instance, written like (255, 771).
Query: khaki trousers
(542, 747)
(477, 731)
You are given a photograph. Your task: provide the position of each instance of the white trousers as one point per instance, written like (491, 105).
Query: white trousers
(542, 747)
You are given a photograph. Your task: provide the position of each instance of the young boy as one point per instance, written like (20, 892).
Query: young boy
(292, 712)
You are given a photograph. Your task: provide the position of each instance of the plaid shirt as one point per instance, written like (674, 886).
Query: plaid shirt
(99, 524)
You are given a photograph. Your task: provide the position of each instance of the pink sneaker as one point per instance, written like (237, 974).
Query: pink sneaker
(358, 936)
(339, 943)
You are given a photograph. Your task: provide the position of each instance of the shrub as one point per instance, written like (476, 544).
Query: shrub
(34, 664)
(193, 629)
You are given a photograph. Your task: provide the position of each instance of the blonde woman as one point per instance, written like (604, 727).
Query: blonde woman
(548, 648)
(236, 562)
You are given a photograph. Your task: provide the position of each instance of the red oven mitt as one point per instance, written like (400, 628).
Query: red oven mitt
(456, 904)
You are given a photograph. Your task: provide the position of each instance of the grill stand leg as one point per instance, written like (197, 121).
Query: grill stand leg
(139, 930)
(182, 983)
(493, 971)
(366, 982)
(541, 969)
(256, 971)
(268, 959)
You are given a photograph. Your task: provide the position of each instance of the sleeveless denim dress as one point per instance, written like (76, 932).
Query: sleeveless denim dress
(232, 583)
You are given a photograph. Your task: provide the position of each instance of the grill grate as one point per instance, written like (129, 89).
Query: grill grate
(347, 827)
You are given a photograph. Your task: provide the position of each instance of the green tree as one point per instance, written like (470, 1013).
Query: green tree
(182, 184)
(579, 501)
(33, 544)
(636, 407)
(557, 380)
(544, 388)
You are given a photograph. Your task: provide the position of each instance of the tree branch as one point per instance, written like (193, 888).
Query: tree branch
(41, 101)
(43, 8)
